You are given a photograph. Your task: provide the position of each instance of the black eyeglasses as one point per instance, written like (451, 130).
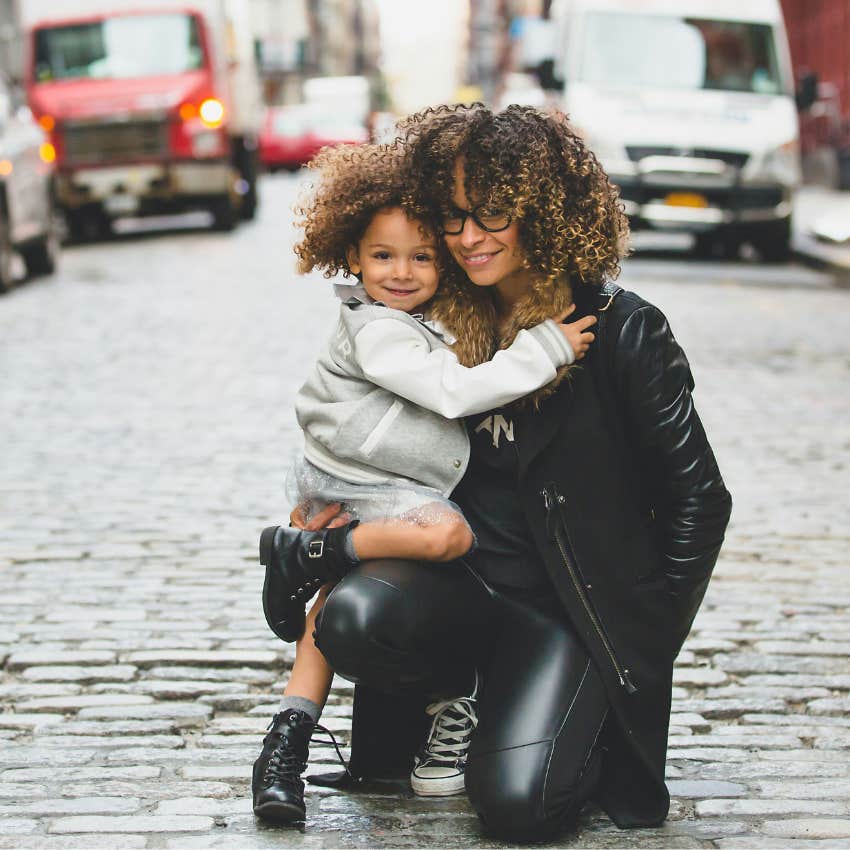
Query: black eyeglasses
(492, 221)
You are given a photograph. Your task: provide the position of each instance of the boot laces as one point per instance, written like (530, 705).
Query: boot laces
(451, 731)
(285, 765)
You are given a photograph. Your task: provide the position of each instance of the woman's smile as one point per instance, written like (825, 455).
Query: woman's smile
(478, 259)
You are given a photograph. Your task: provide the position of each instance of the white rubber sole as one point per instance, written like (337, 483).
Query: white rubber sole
(437, 787)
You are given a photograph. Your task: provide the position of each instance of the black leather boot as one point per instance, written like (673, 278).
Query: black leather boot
(276, 785)
(297, 564)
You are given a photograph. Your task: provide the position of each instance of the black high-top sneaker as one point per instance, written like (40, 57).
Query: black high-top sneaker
(277, 786)
(297, 564)
(440, 764)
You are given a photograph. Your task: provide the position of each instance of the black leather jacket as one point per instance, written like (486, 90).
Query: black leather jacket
(628, 509)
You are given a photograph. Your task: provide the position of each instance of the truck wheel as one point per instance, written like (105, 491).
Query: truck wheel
(247, 164)
(223, 213)
(42, 256)
(773, 241)
(88, 225)
(248, 210)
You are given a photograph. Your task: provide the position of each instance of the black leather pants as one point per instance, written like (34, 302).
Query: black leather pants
(532, 762)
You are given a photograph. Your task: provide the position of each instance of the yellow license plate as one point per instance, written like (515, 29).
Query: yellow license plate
(685, 199)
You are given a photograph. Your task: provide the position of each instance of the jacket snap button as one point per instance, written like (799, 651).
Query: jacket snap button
(457, 464)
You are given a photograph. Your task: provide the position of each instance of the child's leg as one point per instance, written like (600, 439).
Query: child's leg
(276, 785)
(311, 675)
(438, 534)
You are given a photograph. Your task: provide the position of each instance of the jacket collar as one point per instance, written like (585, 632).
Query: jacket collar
(352, 295)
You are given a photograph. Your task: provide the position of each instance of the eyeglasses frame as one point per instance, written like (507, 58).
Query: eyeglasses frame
(473, 214)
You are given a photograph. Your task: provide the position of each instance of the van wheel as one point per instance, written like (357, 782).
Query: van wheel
(773, 241)
(704, 245)
(717, 246)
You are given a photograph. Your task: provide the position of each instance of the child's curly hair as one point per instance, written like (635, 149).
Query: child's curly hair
(532, 164)
(353, 183)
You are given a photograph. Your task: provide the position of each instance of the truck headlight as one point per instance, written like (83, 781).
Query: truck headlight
(211, 112)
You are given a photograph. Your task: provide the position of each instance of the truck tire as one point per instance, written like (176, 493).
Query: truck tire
(88, 224)
(224, 214)
(773, 241)
(247, 164)
(42, 256)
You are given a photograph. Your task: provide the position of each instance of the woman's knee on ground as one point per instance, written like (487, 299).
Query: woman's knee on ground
(508, 790)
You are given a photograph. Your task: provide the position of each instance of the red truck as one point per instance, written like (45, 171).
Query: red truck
(151, 108)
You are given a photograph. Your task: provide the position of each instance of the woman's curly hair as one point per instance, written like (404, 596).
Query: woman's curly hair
(352, 183)
(573, 230)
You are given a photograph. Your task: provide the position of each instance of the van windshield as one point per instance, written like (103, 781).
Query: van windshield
(118, 48)
(625, 50)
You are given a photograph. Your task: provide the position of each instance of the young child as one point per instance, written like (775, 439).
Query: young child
(383, 437)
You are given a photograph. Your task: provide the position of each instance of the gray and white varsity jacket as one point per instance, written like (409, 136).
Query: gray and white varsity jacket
(385, 398)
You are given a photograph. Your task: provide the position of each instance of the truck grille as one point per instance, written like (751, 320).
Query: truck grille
(734, 158)
(107, 143)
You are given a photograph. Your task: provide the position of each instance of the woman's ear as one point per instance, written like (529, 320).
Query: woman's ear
(353, 258)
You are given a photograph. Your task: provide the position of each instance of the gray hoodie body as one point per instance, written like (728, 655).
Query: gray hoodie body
(385, 401)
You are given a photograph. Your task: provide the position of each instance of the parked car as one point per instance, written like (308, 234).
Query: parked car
(292, 135)
(28, 219)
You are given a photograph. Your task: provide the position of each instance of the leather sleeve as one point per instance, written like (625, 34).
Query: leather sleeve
(654, 383)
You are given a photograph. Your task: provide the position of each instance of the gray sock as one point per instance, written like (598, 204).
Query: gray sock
(302, 704)
(348, 547)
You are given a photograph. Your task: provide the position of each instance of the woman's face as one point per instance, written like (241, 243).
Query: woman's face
(489, 259)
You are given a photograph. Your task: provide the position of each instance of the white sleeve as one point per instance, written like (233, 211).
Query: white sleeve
(395, 356)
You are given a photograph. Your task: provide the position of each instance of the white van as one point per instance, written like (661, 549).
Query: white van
(689, 105)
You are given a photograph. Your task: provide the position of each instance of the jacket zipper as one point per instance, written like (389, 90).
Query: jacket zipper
(558, 532)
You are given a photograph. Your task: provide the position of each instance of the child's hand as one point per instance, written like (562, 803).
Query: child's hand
(330, 517)
(576, 332)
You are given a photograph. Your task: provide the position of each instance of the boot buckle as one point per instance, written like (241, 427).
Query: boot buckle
(315, 548)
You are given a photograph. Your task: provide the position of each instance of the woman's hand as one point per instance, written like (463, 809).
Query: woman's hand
(576, 332)
(330, 517)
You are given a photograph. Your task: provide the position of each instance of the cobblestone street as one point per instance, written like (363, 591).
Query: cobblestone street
(146, 397)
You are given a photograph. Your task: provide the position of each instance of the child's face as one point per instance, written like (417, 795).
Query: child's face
(396, 260)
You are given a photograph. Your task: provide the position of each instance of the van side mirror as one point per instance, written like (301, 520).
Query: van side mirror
(807, 92)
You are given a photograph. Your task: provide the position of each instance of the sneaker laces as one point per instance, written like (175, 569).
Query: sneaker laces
(451, 730)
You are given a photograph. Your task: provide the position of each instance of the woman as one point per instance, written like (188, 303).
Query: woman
(597, 504)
